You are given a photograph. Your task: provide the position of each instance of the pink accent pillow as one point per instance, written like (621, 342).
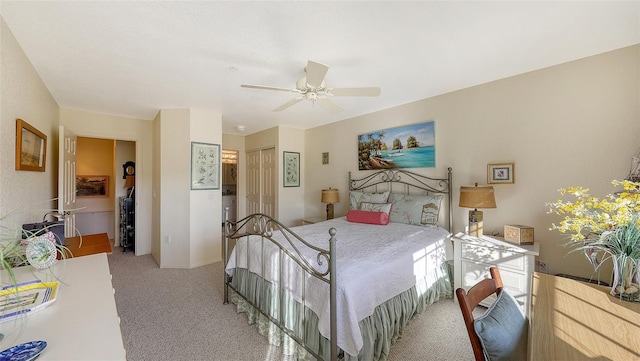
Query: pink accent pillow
(367, 217)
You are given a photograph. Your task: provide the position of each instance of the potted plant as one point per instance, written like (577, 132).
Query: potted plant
(605, 228)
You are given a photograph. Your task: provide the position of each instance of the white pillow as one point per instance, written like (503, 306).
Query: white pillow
(356, 197)
(375, 207)
(422, 210)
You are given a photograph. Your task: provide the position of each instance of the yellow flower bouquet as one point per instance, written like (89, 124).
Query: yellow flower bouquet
(607, 228)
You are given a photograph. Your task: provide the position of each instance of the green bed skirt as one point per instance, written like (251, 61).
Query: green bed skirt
(379, 331)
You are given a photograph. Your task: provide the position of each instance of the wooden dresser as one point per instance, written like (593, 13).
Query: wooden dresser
(573, 320)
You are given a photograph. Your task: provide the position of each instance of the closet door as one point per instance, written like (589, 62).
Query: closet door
(261, 182)
(269, 178)
(253, 182)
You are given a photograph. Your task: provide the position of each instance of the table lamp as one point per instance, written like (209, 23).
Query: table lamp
(330, 196)
(476, 197)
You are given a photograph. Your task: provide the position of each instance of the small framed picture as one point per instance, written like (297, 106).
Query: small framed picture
(325, 158)
(291, 169)
(500, 173)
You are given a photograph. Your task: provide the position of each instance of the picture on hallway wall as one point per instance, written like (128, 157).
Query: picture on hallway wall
(205, 166)
(92, 185)
(408, 146)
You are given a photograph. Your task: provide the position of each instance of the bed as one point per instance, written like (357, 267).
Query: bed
(345, 288)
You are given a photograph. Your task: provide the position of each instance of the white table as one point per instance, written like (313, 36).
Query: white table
(82, 323)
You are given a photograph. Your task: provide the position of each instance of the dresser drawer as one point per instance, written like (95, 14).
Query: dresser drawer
(506, 259)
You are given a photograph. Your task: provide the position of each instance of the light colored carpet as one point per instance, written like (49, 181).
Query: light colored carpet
(177, 314)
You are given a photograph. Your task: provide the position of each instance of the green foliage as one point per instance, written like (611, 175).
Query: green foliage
(412, 142)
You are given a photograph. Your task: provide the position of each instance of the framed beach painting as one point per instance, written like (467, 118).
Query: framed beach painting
(408, 146)
(31, 147)
(291, 176)
(205, 166)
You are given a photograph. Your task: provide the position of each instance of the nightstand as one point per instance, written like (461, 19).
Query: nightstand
(472, 257)
(312, 220)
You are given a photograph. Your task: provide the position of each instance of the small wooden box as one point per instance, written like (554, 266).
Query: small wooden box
(518, 234)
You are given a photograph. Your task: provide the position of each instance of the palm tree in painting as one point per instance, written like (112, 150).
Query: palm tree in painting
(412, 142)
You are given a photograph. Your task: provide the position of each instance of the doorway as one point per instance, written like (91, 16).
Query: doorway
(104, 157)
(229, 184)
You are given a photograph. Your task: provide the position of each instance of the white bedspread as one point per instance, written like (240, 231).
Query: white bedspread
(374, 264)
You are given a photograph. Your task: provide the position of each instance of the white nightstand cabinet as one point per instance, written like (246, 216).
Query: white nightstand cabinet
(474, 256)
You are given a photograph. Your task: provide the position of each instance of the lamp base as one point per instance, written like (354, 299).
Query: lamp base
(330, 211)
(475, 223)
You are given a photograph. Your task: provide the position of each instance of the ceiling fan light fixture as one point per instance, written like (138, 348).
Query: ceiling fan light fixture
(313, 88)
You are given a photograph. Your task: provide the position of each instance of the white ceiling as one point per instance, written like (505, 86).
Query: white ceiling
(133, 58)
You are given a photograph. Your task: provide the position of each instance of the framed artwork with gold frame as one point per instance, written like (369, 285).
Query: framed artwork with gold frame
(500, 173)
(31, 147)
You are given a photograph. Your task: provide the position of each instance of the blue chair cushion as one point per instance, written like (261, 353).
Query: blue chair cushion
(503, 330)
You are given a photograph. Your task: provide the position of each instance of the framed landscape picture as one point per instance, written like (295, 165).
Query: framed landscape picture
(31, 147)
(407, 146)
(92, 185)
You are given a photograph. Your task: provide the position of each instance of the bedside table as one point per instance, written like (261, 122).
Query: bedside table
(472, 257)
(312, 220)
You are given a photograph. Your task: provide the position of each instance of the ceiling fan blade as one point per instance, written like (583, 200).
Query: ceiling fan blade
(358, 92)
(269, 88)
(330, 106)
(288, 104)
(315, 73)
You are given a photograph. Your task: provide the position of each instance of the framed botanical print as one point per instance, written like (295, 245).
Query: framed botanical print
(205, 166)
(291, 176)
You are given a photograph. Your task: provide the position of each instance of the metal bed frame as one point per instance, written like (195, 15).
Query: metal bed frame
(263, 226)
(408, 183)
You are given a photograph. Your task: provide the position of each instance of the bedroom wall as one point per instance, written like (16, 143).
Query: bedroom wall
(174, 190)
(205, 210)
(24, 96)
(577, 123)
(188, 220)
(289, 206)
(288, 199)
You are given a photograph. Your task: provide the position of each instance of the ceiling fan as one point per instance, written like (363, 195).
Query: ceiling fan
(312, 87)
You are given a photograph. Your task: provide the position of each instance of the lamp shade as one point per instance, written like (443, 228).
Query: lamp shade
(330, 196)
(477, 197)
